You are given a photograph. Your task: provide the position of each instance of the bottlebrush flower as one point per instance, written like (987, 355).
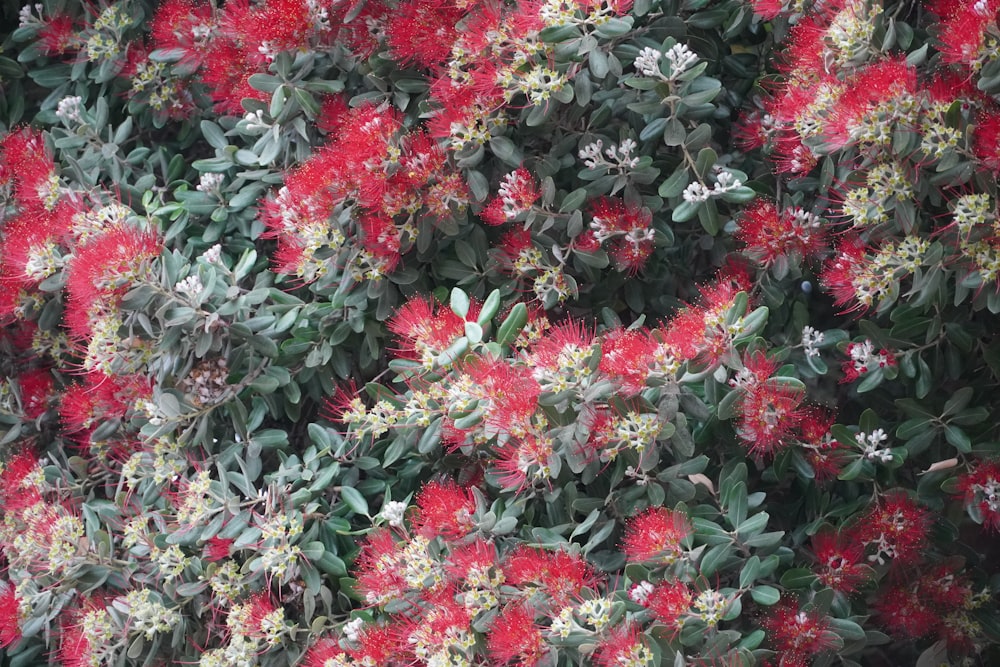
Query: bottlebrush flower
(279, 25)
(896, 529)
(10, 615)
(507, 393)
(560, 358)
(442, 630)
(798, 636)
(260, 618)
(516, 195)
(217, 548)
(769, 415)
(656, 535)
(107, 265)
(669, 601)
(186, 26)
(29, 164)
(515, 637)
(86, 634)
(100, 397)
(981, 486)
(423, 31)
(474, 565)
(905, 613)
(59, 35)
(379, 568)
(626, 228)
(380, 238)
(965, 37)
(525, 461)
(770, 235)
(372, 645)
(986, 140)
(425, 329)
(21, 480)
(851, 277)
(864, 359)
(553, 579)
(326, 653)
(623, 647)
(838, 561)
(36, 390)
(873, 101)
(824, 453)
(465, 116)
(626, 357)
(444, 508)
(226, 72)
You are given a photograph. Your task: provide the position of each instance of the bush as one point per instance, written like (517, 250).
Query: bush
(538, 333)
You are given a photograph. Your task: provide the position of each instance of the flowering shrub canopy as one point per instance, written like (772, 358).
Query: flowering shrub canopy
(458, 332)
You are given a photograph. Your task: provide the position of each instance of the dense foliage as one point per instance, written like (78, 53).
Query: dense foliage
(460, 332)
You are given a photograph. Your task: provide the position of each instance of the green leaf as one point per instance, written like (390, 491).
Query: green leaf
(489, 309)
(353, 499)
(459, 302)
(750, 570)
(765, 595)
(512, 324)
(799, 577)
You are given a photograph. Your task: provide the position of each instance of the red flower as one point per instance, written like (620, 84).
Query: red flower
(36, 390)
(101, 397)
(324, 652)
(10, 615)
(623, 647)
(107, 265)
(822, 450)
(444, 509)
(557, 577)
(798, 636)
(838, 561)
(516, 195)
(844, 275)
(184, 25)
(769, 415)
(29, 164)
(75, 649)
(656, 535)
(59, 35)
(474, 565)
(770, 235)
(507, 394)
(525, 461)
(963, 30)
(18, 477)
(906, 613)
(626, 355)
(226, 72)
(896, 528)
(423, 31)
(626, 228)
(981, 486)
(877, 85)
(514, 636)
(443, 627)
(332, 114)
(375, 645)
(218, 548)
(379, 568)
(669, 601)
(425, 329)
(986, 139)
(258, 609)
(380, 238)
